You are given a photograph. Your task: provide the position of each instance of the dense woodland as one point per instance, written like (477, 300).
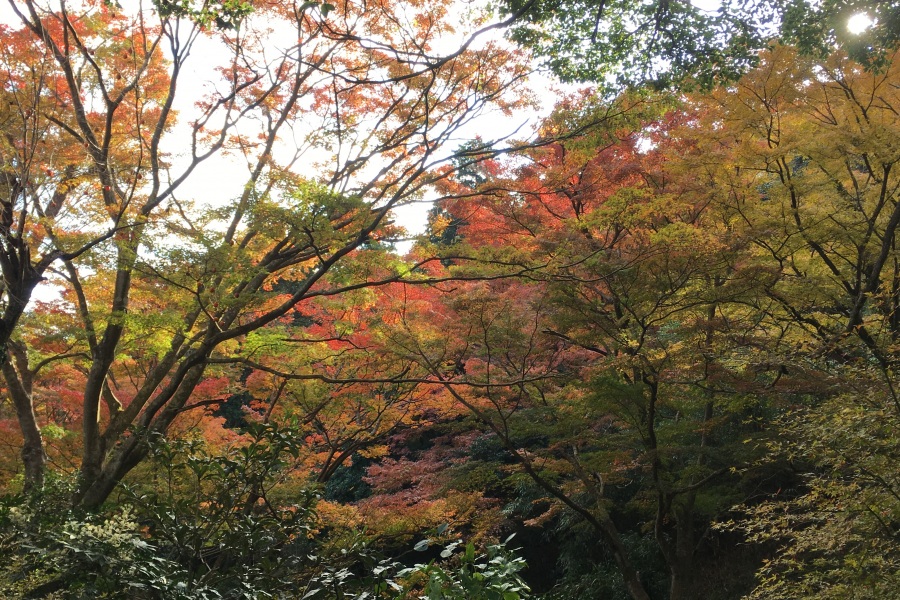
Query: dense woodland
(648, 348)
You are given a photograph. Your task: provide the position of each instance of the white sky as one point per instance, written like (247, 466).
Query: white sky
(223, 177)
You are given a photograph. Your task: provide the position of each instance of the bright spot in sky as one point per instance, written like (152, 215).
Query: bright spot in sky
(859, 23)
(708, 5)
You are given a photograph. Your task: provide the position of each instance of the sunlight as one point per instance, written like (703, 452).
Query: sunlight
(859, 23)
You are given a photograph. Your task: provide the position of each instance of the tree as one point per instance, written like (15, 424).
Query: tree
(798, 157)
(161, 284)
(613, 371)
(57, 170)
(698, 289)
(678, 41)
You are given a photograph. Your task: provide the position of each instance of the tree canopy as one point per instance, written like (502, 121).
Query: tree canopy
(667, 42)
(649, 350)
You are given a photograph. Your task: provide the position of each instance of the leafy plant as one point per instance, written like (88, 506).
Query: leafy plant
(493, 575)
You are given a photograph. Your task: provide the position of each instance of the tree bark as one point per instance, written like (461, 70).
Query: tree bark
(681, 559)
(34, 458)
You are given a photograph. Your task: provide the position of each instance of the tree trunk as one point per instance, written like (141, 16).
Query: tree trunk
(679, 585)
(104, 475)
(34, 458)
(92, 439)
(679, 553)
(623, 562)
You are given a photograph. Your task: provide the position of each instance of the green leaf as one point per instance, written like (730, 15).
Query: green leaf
(470, 552)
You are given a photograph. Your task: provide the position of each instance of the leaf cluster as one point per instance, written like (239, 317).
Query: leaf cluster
(679, 42)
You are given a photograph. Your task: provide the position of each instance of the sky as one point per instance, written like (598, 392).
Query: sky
(223, 177)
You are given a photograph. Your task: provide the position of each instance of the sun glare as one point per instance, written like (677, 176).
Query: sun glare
(859, 23)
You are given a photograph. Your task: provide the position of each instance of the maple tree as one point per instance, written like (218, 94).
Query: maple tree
(626, 348)
(505, 352)
(742, 266)
(160, 283)
(50, 177)
(662, 312)
(804, 149)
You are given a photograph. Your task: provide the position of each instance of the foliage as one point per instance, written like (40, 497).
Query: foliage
(836, 535)
(489, 576)
(692, 272)
(225, 518)
(626, 41)
(598, 372)
(817, 28)
(688, 43)
(816, 197)
(55, 552)
(199, 526)
(668, 310)
(169, 296)
(589, 576)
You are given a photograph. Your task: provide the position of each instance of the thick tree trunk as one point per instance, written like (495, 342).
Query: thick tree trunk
(99, 479)
(679, 553)
(679, 585)
(19, 277)
(34, 458)
(92, 439)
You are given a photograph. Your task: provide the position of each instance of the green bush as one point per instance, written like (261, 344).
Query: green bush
(198, 526)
